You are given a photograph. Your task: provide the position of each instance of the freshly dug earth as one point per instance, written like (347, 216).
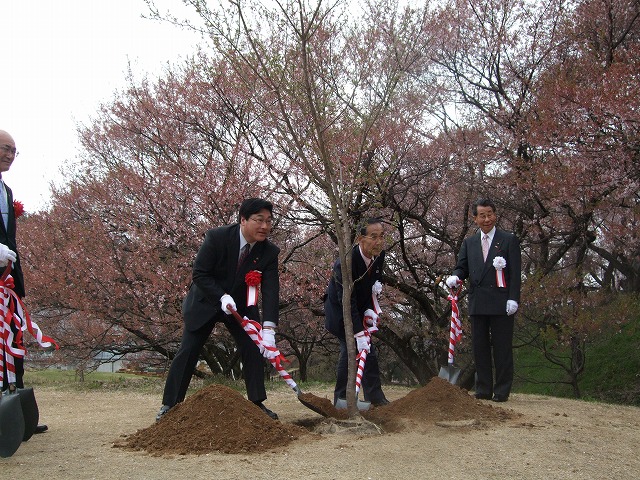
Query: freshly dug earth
(214, 418)
(217, 418)
(434, 435)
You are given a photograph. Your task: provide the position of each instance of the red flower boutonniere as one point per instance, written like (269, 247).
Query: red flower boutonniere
(252, 279)
(18, 208)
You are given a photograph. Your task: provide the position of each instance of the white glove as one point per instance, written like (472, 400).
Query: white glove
(362, 341)
(512, 307)
(269, 340)
(370, 318)
(225, 300)
(453, 281)
(6, 255)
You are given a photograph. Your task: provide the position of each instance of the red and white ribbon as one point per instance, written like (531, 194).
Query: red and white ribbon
(253, 279)
(455, 332)
(362, 355)
(254, 330)
(13, 311)
(499, 263)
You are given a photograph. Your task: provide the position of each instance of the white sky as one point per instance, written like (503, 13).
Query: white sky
(60, 60)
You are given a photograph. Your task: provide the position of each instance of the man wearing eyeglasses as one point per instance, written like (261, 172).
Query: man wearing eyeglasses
(9, 249)
(367, 262)
(225, 257)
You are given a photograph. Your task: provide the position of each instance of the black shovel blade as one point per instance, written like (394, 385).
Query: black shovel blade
(450, 373)
(11, 425)
(29, 411)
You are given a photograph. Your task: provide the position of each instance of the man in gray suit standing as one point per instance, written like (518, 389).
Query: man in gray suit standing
(491, 260)
(225, 257)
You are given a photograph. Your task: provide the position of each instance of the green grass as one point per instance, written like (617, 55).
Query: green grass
(611, 373)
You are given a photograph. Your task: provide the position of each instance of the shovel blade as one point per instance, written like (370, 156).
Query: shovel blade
(30, 411)
(450, 373)
(11, 425)
(363, 406)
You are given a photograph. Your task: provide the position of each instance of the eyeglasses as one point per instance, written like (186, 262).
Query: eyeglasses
(374, 238)
(10, 149)
(268, 222)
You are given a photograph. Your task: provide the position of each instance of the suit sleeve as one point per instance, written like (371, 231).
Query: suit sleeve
(206, 268)
(271, 289)
(356, 318)
(462, 265)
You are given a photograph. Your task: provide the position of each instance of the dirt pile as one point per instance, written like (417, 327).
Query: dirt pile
(437, 402)
(215, 418)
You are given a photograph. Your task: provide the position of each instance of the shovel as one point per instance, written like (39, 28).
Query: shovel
(362, 405)
(252, 329)
(30, 411)
(11, 425)
(450, 372)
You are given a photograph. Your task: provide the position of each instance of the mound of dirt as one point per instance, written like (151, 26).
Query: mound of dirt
(215, 418)
(436, 402)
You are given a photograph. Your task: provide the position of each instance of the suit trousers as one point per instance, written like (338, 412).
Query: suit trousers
(492, 339)
(371, 385)
(186, 359)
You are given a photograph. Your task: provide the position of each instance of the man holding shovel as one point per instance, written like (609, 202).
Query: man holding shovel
(229, 256)
(367, 261)
(491, 261)
(8, 251)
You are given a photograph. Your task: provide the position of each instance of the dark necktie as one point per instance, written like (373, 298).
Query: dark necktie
(243, 255)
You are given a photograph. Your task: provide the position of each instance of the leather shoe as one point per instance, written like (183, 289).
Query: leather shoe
(273, 415)
(380, 403)
(499, 398)
(483, 396)
(41, 429)
(163, 411)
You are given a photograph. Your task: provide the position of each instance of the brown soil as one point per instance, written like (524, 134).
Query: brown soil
(217, 418)
(437, 432)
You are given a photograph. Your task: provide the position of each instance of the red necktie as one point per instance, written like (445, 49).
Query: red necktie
(243, 255)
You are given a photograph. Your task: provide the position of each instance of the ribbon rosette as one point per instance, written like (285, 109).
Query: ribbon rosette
(376, 289)
(18, 208)
(499, 263)
(252, 279)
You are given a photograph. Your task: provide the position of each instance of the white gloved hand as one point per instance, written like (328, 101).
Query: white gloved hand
(362, 341)
(269, 340)
(512, 307)
(6, 255)
(370, 318)
(453, 281)
(225, 300)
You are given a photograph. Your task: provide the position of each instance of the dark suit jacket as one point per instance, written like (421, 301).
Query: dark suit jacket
(214, 274)
(361, 298)
(485, 298)
(8, 237)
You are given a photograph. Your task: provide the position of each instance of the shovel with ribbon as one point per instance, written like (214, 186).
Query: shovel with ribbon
(18, 408)
(450, 372)
(254, 330)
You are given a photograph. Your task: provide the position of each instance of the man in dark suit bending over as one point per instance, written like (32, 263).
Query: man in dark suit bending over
(367, 262)
(491, 261)
(227, 254)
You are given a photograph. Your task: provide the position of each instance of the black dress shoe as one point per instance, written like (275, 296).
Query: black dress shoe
(162, 412)
(41, 429)
(273, 415)
(483, 396)
(499, 398)
(380, 403)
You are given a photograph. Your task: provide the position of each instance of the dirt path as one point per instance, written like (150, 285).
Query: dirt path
(551, 439)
